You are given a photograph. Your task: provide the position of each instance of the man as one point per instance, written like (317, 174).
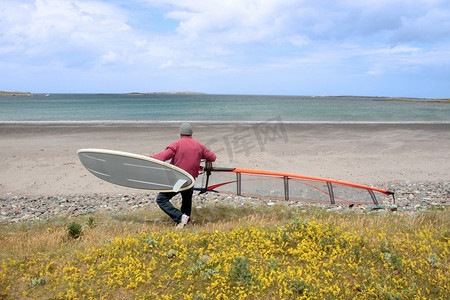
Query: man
(186, 153)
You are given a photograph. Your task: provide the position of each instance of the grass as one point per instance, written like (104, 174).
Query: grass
(258, 252)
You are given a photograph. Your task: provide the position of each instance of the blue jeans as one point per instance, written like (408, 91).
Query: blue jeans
(163, 201)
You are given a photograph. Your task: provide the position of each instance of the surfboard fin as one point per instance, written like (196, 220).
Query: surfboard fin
(177, 186)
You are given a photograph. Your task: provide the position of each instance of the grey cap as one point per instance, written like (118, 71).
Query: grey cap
(186, 129)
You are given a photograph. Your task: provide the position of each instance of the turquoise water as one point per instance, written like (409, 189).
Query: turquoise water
(216, 108)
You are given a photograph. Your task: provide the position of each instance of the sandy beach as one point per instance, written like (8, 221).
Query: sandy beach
(42, 159)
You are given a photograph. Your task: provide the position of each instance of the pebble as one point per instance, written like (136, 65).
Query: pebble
(411, 198)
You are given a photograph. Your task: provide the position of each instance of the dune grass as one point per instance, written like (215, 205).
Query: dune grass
(229, 252)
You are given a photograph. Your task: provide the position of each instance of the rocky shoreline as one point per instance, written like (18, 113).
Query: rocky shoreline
(411, 198)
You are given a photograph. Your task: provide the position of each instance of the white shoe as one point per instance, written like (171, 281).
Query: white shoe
(183, 222)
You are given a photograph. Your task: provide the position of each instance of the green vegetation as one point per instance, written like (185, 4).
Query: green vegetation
(74, 230)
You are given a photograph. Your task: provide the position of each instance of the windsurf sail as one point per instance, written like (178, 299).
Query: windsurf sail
(290, 187)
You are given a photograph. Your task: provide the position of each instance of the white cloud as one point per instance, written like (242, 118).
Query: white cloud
(246, 21)
(166, 64)
(69, 32)
(232, 21)
(210, 38)
(86, 32)
(431, 27)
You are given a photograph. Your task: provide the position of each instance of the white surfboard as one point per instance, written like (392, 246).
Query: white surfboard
(135, 171)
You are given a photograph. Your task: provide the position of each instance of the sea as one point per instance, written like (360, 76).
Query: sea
(207, 108)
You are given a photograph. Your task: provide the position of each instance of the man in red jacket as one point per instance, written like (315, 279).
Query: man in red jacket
(186, 153)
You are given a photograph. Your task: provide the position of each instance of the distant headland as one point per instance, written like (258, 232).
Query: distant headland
(374, 98)
(3, 93)
(154, 93)
(416, 100)
(166, 93)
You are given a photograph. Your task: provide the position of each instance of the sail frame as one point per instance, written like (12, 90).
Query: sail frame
(331, 188)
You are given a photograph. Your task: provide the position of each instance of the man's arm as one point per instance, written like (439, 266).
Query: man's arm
(165, 155)
(209, 155)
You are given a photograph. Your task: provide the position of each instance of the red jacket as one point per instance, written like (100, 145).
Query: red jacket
(186, 153)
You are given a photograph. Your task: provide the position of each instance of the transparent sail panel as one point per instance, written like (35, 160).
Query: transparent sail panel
(291, 188)
(308, 190)
(344, 194)
(384, 199)
(224, 182)
(260, 185)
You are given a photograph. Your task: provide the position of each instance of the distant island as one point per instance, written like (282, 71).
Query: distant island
(154, 93)
(3, 93)
(374, 98)
(166, 93)
(416, 100)
(394, 99)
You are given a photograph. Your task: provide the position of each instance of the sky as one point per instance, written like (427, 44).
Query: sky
(395, 48)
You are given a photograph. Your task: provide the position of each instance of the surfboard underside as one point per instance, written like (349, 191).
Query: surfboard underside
(135, 171)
